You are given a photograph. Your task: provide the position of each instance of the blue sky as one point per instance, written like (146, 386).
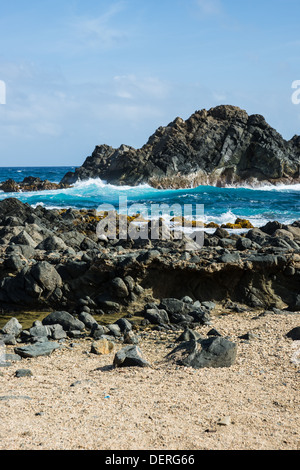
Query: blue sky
(82, 73)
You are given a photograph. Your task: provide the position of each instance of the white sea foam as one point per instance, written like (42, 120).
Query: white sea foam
(280, 187)
(98, 182)
(267, 187)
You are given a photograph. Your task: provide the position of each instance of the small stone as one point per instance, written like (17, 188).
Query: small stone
(130, 337)
(102, 346)
(225, 421)
(23, 373)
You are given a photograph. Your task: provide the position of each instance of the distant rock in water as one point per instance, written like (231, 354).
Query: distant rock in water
(219, 147)
(30, 183)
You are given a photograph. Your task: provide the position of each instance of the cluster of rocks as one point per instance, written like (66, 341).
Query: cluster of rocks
(54, 259)
(30, 183)
(46, 336)
(219, 146)
(43, 337)
(122, 337)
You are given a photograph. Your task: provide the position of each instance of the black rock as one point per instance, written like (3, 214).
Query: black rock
(243, 244)
(219, 146)
(124, 325)
(157, 316)
(294, 334)
(88, 319)
(65, 319)
(97, 331)
(130, 356)
(23, 373)
(38, 349)
(212, 352)
(189, 335)
(119, 287)
(172, 305)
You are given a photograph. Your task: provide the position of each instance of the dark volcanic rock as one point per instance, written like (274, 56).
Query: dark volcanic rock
(12, 327)
(211, 352)
(38, 349)
(130, 356)
(223, 145)
(259, 269)
(294, 334)
(65, 319)
(30, 183)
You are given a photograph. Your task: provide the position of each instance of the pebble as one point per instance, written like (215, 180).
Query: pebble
(23, 373)
(225, 421)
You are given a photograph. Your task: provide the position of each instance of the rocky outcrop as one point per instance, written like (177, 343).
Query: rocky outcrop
(30, 183)
(221, 146)
(260, 268)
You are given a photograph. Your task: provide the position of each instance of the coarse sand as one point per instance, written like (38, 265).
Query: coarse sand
(76, 400)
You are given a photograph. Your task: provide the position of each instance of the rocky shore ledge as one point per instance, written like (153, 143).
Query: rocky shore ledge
(30, 183)
(220, 146)
(54, 259)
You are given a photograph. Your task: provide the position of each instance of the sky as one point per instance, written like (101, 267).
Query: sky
(75, 74)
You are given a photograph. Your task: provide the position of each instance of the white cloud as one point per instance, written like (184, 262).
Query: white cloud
(96, 32)
(210, 7)
(132, 87)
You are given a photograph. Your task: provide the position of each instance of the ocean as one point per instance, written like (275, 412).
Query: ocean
(220, 205)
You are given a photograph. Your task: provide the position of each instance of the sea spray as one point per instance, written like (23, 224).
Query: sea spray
(222, 205)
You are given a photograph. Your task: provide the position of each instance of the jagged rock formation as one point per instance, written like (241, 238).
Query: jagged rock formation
(30, 183)
(218, 147)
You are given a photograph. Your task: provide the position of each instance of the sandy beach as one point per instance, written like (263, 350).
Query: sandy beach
(76, 400)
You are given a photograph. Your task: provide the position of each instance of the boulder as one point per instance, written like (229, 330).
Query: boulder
(23, 238)
(13, 327)
(130, 356)
(52, 243)
(172, 305)
(88, 319)
(119, 287)
(65, 319)
(157, 316)
(46, 276)
(209, 352)
(37, 349)
(97, 331)
(124, 325)
(294, 334)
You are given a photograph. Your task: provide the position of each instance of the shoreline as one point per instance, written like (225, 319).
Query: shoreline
(34, 183)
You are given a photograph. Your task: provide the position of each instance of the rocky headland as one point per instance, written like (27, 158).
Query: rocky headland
(30, 183)
(220, 146)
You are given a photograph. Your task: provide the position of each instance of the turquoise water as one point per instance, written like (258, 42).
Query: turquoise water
(220, 205)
